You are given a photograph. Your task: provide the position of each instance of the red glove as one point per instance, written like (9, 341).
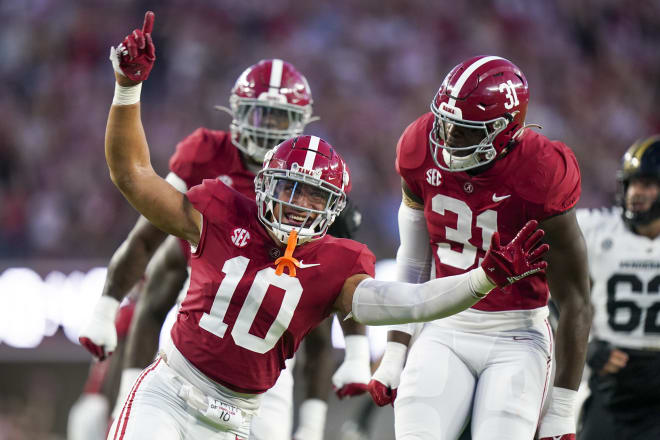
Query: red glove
(386, 378)
(381, 394)
(518, 259)
(135, 56)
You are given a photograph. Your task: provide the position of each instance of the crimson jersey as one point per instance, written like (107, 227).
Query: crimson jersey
(210, 154)
(240, 321)
(538, 179)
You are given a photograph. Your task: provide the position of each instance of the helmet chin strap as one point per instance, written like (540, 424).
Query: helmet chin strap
(287, 261)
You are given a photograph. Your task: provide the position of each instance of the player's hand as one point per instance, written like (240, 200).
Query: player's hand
(558, 422)
(618, 359)
(99, 335)
(134, 57)
(518, 259)
(352, 376)
(386, 378)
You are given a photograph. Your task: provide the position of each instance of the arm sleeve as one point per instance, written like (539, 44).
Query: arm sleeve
(413, 258)
(385, 302)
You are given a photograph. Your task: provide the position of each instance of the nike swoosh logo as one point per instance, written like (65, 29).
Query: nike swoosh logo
(302, 265)
(497, 198)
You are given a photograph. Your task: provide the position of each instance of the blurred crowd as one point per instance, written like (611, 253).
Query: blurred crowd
(373, 67)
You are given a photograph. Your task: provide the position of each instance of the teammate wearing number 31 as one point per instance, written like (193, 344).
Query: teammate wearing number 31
(471, 168)
(250, 304)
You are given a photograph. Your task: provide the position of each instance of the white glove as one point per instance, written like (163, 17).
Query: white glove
(558, 422)
(312, 420)
(99, 335)
(386, 378)
(352, 376)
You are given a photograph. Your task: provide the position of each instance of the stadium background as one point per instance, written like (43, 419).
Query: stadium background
(373, 67)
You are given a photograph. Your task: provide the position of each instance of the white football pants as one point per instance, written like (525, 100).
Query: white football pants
(167, 400)
(275, 418)
(497, 378)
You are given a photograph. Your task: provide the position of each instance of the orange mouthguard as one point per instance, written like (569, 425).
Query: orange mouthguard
(287, 261)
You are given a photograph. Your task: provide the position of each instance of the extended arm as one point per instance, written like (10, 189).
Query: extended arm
(392, 302)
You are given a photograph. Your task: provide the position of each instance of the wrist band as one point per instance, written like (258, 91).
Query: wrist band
(127, 95)
(107, 307)
(479, 282)
(357, 347)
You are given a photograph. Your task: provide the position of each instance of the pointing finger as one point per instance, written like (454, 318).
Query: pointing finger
(148, 25)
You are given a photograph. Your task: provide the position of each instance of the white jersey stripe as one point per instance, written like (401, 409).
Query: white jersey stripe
(311, 152)
(456, 91)
(276, 74)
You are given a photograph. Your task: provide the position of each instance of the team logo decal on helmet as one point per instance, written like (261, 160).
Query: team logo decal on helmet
(641, 161)
(479, 112)
(302, 186)
(269, 103)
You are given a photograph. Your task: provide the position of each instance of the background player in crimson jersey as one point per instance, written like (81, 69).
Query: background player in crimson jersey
(242, 318)
(624, 264)
(471, 168)
(270, 102)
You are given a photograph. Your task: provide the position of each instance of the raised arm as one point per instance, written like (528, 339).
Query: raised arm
(127, 155)
(126, 149)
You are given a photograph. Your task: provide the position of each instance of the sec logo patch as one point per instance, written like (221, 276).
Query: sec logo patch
(433, 177)
(240, 237)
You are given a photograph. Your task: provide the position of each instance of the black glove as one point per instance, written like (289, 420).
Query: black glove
(347, 223)
(598, 353)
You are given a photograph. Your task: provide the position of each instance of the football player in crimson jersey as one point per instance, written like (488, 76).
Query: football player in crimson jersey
(270, 101)
(624, 263)
(471, 168)
(249, 306)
